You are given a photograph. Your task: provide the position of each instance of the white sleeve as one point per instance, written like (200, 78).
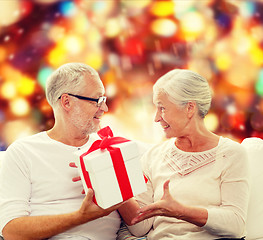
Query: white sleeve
(229, 218)
(143, 199)
(14, 186)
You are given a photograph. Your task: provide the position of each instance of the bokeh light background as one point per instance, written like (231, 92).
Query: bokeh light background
(131, 43)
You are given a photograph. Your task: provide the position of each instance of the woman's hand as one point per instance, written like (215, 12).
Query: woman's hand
(167, 206)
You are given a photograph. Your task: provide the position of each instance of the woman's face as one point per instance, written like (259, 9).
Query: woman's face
(173, 118)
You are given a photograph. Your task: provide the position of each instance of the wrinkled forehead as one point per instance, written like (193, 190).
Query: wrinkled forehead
(158, 97)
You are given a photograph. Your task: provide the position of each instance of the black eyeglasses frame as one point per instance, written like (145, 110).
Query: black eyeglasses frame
(99, 100)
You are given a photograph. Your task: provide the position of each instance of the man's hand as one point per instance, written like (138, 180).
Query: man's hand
(90, 211)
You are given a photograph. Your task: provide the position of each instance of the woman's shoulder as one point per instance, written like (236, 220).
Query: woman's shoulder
(231, 147)
(230, 143)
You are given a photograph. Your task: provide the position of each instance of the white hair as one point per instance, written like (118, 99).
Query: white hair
(67, 79)
(182, 86)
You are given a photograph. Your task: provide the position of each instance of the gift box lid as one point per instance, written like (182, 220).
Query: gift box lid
(99, 159)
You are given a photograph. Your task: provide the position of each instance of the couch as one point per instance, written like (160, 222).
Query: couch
(254, 147)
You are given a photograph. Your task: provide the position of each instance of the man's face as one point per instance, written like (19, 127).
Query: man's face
(85, 115)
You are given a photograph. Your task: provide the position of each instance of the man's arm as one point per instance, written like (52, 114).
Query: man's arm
(41, 227)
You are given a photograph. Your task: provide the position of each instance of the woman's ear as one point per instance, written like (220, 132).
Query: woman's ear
(191, 108)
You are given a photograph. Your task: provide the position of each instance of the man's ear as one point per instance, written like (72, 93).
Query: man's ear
(191, 108)
(65, 102)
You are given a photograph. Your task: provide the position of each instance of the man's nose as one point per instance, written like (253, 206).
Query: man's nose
(104, 107)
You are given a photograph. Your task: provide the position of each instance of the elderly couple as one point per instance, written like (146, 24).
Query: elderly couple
(197, 181)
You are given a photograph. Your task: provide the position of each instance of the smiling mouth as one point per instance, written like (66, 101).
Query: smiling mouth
(165, 127)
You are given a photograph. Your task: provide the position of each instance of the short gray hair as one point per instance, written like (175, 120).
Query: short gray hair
(67, 79)
(183, 85)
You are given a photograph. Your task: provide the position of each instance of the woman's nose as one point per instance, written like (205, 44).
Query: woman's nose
(157, 117)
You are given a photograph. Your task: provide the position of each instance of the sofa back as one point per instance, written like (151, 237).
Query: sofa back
(254, 147)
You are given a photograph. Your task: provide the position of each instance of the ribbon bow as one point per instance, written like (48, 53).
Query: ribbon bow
(107, 140)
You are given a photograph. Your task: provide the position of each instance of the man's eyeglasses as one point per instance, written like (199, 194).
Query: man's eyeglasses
(99, 100)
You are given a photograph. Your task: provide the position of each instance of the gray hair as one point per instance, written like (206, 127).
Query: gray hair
(183, 85)
(67, 79)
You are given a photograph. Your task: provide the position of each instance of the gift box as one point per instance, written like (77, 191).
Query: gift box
(111, 167)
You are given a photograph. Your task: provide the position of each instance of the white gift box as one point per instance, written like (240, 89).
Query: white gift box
(111, 181)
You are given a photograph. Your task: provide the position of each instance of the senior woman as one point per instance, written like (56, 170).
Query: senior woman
(197, 180)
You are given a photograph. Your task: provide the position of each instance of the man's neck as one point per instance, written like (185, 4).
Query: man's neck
(67, 137)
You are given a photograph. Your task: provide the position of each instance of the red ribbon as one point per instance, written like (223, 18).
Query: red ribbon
(118, 163)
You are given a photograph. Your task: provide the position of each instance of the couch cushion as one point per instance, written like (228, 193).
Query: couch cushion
(254, 147)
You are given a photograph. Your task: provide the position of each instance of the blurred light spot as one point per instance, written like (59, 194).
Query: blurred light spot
(231, 109)
(26, 7)
(56, 56)
(56, 33)
(223, 61)
(182, 7)
(162, 8)
(19, 107)
(7, 38)
(211, 121)
(112, 27)
(100, 7)
(136, 4)
(259, 83)
(95, 60)
(164, 27)
(11, 56)
(192, 25)
(43, 75)
(81, 23)
(20, 31)
(247, 9)
(241, 43)
(26, 86)
(242, 72)
(14, 130)
(256, 54)
(111, 90)
(9, 12)
(94, 37)
(8, 90)
(67, 8)
(73, 44)
(45, 108)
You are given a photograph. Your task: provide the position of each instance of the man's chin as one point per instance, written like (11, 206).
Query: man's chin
(95, 128)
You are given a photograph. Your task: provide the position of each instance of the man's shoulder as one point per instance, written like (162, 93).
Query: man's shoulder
(31, 139)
